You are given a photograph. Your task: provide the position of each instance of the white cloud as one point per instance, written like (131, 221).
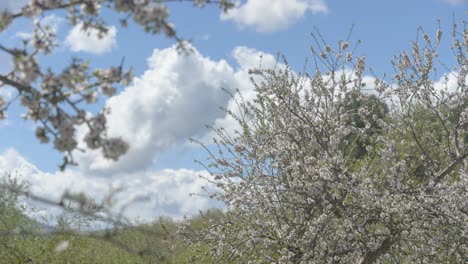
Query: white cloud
(166, 192)
(171, 102)
(53, 21)
(247, 59)
(273, 15)
(89, 41)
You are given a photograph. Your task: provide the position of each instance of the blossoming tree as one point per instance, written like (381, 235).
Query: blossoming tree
(332, 168)
(56, 99)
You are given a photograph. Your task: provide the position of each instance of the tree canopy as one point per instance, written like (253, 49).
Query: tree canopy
(328, 168)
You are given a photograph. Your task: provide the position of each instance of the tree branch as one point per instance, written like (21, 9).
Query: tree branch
(17, 85)
(449, 169)
(373, 255)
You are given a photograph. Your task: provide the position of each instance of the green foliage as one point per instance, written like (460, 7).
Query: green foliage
(23, 240)
(362, 110)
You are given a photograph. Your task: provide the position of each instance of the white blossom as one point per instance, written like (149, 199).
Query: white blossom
(113, 148)
(329, 174)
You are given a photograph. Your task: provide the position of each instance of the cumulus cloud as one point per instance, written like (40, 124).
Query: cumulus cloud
(89, 41)
(273, 15)
(171, 102)
(150, 194)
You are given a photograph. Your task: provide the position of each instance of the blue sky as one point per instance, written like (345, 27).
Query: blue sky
(174, 96)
